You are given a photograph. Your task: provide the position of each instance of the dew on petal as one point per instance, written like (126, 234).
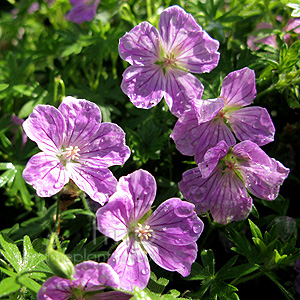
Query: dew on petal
(57, 185)
(145, 271)
(147, 190)
(183, 211)
(197, 228)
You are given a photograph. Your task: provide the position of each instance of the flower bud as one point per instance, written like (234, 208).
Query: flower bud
(60, 264)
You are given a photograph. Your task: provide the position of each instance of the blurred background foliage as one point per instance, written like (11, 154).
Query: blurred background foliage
(43, 57)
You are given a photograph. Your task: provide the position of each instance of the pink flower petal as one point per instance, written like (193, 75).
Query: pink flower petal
(94, 276)
(107, 148)
(55, 288)
(261, 174)
(144, 85)
(199, 54)
(114, 218)
(82, 120)
(194, 50)
(252, 123)
(206, 110)
(98, 183)
(181, 89)
(238, 88)
(172, 257)
(177, 28)
(140, 46)
(131, 264)
(46, 127)
(198, 190)
(174, 222)
(182, 133)
(232, 202)
(46, 174)
(209, 135)
(211, 158)
(140, 186)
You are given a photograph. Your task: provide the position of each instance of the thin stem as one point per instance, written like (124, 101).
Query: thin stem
(149, 10)
(57, 219)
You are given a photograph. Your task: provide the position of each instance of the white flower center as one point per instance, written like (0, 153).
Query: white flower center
(72, 153)
(143, 232)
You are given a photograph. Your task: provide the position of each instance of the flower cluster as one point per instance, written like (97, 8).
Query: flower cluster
(77, 147)
(211, 121)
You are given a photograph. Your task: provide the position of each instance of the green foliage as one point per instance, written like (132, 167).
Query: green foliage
(22, 270)
(214, 282)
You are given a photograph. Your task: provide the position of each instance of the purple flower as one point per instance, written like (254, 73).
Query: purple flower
(33, 8)
(221, 181)
(169, 235)
(162, 59)
(75, 146)
(292, 26)
(213, 120)
(83, 10)
(89, 277)
(17, 121)
(255, 39)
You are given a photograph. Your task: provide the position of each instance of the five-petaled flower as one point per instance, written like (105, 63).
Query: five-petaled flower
(83, 10)
(89, 283)
(220, 182)
(161, 61)
(75, 145)
(213, 120)
(169, 235)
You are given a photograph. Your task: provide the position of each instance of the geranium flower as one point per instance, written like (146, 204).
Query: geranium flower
(169, 235)
(163, 59)
(83, 10)
(213, 120)
(88, 278)
(75, 146)
(220, 182)
(292, 26)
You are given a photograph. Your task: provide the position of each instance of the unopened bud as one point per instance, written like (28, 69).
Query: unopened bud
(60, 264)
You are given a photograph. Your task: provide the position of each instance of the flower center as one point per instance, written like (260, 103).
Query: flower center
(72, 153)
(143, 232)
(230, 164)
(68, 154)
(221, 115)
(169, 61)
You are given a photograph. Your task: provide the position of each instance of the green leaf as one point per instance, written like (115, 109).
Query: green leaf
(224, 291)
(198, 273)
(3, 86)
(29, 283)
(255, 230)
(72, 49)
(8, 286)
(11, 253)
(239, 271)
(7, 176)
(155, 285)
(31, 258)
(208, 260)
